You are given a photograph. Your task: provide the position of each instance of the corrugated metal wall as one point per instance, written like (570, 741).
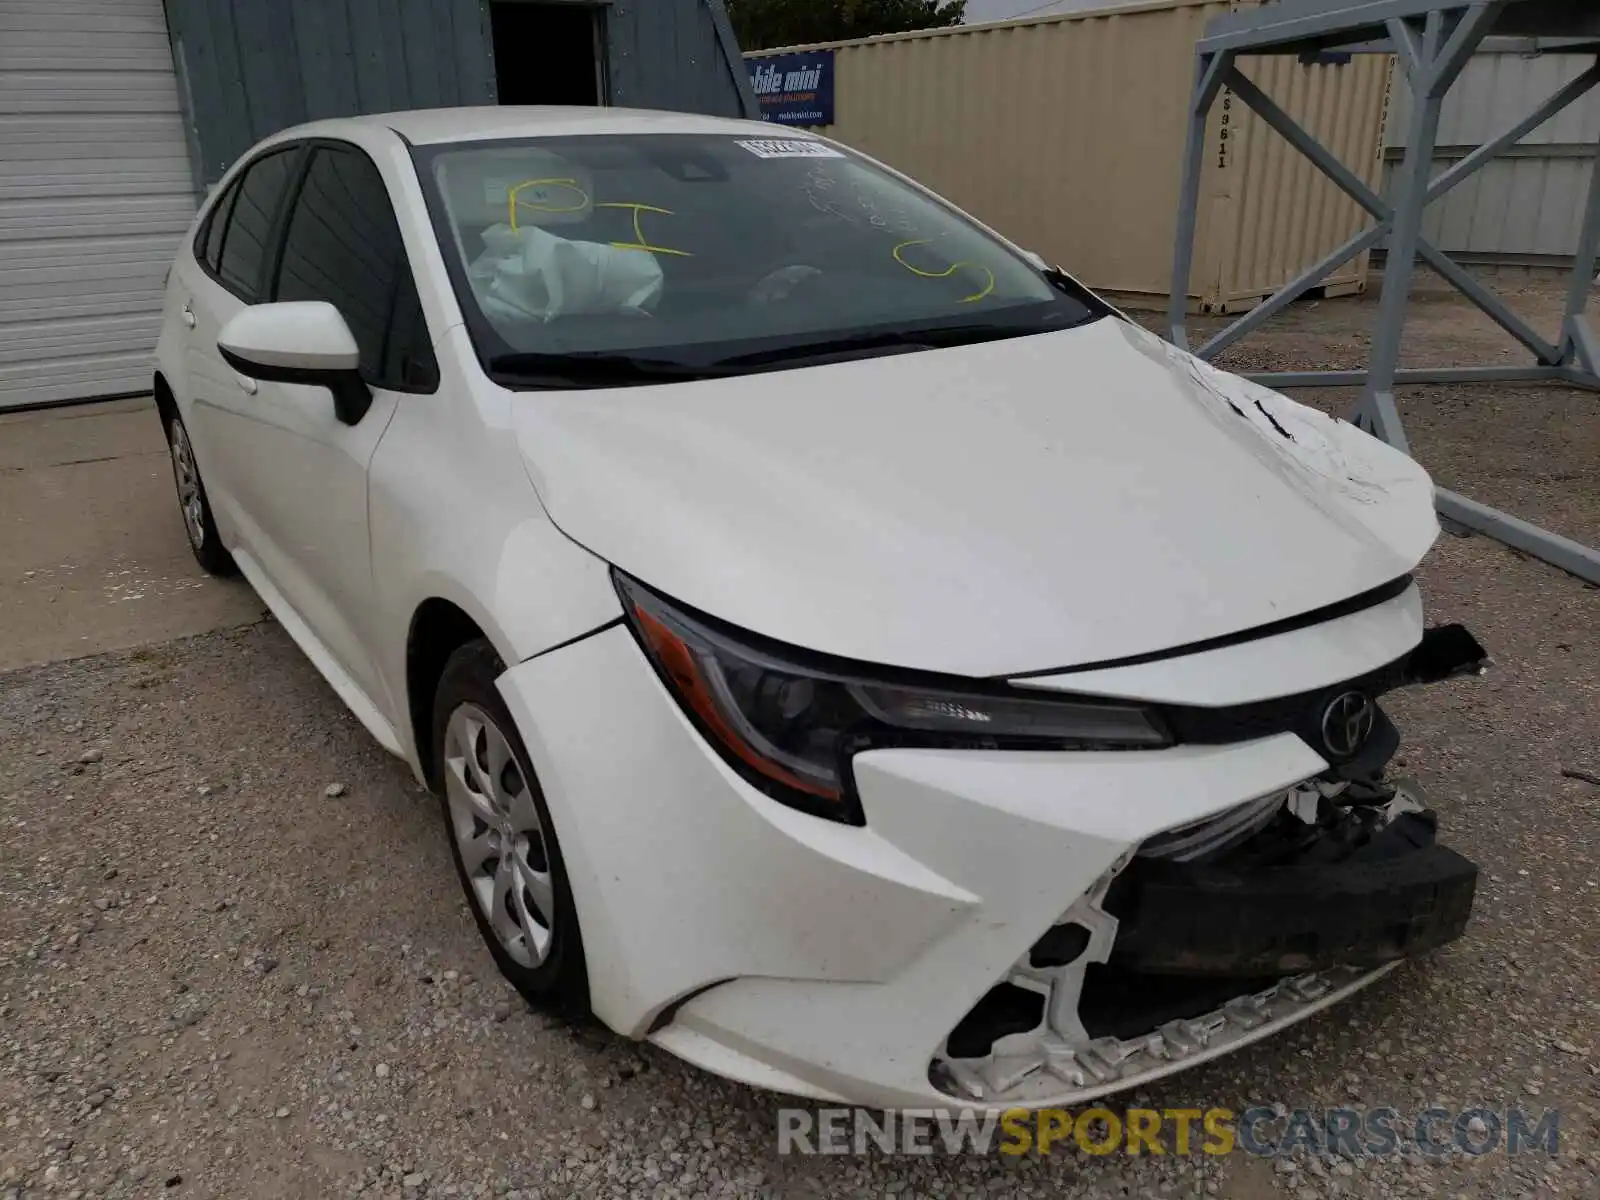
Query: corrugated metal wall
(1067, 135)
(248, 68)
(1528, 205)
(1287, 213)
(95, 193)
(676, 54)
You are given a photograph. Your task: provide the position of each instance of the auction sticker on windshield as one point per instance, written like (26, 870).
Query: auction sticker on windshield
(783, 148)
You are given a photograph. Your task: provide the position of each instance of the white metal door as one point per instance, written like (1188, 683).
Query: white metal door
(95, 192)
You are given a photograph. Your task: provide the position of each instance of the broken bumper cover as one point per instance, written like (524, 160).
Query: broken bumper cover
(837, 962)
(1056, 1073)
(1178, 961)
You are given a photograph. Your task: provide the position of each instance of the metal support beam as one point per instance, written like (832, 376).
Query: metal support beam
(1377, 413)
(1283, 379)
(1580, 376)
(1292, 291)
(1209, 71)
(1280, 121)
(1585, 347)
(1470, 29)
(1249, 32)
(1442, 183)
(1433, 40)
(1353, 186)
(1486, 301)
(1579, 343)
(1582, 561)
(1561, 99)
(1583, 262)
(1406, 46)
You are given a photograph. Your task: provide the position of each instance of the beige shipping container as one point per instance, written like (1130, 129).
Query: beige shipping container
(1067, 134)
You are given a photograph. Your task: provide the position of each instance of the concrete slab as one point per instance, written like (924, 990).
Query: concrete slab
(92, 551)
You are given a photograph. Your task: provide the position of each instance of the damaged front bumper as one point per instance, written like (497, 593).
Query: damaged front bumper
(999, 932)
(1220, 931)
(1361, 887)
(1210, 937)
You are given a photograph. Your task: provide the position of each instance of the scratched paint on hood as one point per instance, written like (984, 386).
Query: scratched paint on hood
(1328, 460)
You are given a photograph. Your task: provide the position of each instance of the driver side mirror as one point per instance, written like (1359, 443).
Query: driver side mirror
(299, 341)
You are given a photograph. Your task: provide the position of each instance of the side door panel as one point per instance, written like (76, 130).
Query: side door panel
(215, 391)
(306, 500)
(237, 250)
(303, 486)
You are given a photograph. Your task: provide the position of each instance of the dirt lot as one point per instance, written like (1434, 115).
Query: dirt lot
(218, 980)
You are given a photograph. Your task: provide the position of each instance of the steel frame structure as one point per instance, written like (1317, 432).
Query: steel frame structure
(1432, 40)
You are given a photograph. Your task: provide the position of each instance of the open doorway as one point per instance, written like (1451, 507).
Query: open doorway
(547, 53)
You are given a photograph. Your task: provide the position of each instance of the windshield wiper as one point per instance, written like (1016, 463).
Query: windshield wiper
(860, 344)
(583, 369)
(1062, 282)
(596, 368)
(588, 369)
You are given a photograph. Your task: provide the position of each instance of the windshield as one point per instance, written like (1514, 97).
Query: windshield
(638, 257)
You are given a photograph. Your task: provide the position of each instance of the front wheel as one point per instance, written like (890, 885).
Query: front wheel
(502, 838)
(198, 521)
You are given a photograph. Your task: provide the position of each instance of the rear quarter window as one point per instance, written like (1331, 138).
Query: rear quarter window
(208, 240)
(248, 230)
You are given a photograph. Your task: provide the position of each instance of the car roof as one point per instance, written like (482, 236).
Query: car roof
(428, 126)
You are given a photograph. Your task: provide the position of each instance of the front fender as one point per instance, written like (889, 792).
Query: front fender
(454, 517)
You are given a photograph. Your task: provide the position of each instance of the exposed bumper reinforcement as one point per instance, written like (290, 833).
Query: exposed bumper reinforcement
(1171, 961)
(1198, 919)
(1052, 1073)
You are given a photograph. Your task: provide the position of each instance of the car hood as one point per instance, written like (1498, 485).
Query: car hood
(1038, 502)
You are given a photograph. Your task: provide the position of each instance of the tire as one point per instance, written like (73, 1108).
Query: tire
(199, 525)
(491, 802)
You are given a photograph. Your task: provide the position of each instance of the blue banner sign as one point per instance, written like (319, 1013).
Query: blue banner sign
(794, 89)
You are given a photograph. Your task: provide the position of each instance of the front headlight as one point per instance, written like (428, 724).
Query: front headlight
(789, 722)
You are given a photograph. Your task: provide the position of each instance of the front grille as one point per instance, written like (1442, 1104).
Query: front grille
(1299, 714)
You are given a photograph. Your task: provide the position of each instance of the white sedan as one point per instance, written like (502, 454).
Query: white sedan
(850, 655)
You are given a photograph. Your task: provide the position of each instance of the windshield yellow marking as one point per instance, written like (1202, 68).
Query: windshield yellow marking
(641, 243)
(571, 184)
(947, 272)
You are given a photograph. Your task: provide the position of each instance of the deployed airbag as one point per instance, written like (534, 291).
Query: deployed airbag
(530, 273)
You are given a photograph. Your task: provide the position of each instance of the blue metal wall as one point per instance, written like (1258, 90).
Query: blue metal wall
(248, 68)
(678, 54)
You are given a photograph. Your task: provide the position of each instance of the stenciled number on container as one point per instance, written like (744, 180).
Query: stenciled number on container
(1227, 119)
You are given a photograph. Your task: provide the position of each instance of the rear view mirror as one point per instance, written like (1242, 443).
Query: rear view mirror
(299, 341)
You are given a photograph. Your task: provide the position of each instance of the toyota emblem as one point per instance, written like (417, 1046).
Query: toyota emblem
(1347, 723)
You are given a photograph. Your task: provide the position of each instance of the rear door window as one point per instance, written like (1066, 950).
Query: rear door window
(246, 237)
(343, 246)
(208, 244)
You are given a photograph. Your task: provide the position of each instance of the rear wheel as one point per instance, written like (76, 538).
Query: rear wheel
(502, 838)
(198, 522)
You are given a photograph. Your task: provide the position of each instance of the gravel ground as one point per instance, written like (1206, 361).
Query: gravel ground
(222, 975)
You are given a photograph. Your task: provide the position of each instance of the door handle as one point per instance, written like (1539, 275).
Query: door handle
(246, 384)
(188, 316)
